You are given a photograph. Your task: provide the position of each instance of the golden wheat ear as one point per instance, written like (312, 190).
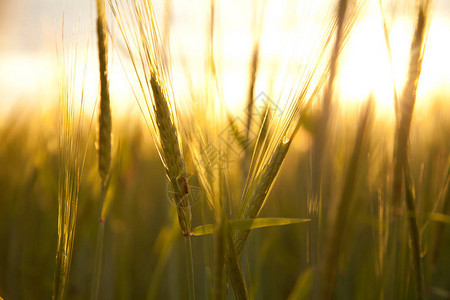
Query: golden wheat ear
(103, 140)
(173, 157)
(104, 117)
(138, 25)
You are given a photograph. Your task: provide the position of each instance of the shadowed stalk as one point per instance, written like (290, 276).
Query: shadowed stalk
(225, 258)
(340, 221)
(219, 282)
(406, 108)
(407, 102)
(326, 109)
(382, 234)
(321, 136)
(104, 140)
(234, 267)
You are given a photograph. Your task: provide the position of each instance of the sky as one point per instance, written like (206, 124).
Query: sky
(31, 38)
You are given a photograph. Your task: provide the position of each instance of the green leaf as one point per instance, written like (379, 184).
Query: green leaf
(248, 224)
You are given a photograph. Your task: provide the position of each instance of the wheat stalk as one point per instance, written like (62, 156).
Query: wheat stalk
(104, 138)
(401, 143)
(407, 101)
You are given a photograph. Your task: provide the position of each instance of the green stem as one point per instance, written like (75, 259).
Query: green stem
(190, 267)
(234, 268)
(99, 250)
(219, 284)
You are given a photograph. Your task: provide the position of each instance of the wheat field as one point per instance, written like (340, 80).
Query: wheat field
(226, 150)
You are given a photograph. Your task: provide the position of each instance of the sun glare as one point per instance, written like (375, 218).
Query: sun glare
(435, 74)
(365, 67)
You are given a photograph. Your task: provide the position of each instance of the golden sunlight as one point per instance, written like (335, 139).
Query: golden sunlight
(365, 66)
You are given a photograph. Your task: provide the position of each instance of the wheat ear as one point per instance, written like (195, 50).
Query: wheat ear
(104, 118)
(261, 190)
(174, 161)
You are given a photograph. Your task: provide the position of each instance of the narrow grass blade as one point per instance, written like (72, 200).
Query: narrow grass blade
(248, 224)
(401, 169)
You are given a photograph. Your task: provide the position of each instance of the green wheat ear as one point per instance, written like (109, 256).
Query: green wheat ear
(175, 164)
